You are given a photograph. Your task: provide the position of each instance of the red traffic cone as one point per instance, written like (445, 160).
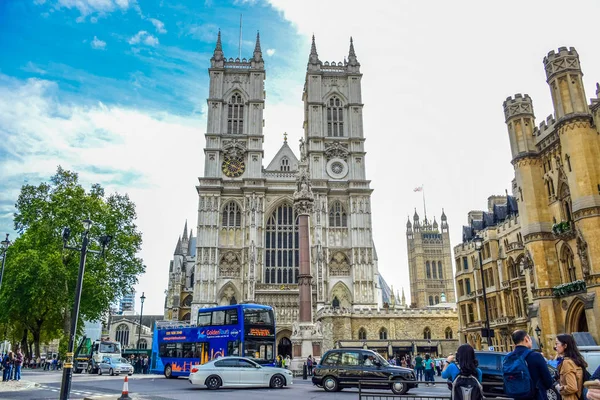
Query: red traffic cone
(125, 392)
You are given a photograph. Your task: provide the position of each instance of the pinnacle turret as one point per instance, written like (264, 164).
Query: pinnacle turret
(352, 61)
(443, 216)
(257, 49)
(313, 58)
(416, 216)
(408, 224)
(218, 53)
(178, 247)
(185, 233)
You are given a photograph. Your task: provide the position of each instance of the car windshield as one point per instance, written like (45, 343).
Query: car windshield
(382, 361)
(117, 360)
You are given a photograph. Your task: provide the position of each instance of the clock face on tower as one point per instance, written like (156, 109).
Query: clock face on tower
(233, 166)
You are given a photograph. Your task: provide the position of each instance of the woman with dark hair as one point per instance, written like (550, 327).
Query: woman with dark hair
(464, 363)
(571, 366)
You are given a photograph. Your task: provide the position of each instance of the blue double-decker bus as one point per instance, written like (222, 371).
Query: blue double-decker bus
(243, 330)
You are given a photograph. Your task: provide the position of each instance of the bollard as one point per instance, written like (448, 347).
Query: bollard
(304, 372)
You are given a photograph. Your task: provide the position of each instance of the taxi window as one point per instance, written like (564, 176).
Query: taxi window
(350, 358)
(331, 359)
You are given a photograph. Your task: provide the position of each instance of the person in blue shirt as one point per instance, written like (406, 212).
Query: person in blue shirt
(538, 369)
(464, 363)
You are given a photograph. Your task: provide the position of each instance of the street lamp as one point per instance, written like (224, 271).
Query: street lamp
(142, 298)
(65, 387)
(538, 333)
(478, 241)
(5, 243)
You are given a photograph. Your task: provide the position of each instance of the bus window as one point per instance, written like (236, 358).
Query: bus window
(203, 353)
(218, 318)
(233, 348)
(231, 317)
(204, 318)
(188, 350)
(258, 316)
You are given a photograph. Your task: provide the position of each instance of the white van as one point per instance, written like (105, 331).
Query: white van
(592, 357)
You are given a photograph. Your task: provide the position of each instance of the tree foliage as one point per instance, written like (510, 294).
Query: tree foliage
(40, 276)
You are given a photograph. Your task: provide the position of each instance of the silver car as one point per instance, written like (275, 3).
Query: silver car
(115, 366)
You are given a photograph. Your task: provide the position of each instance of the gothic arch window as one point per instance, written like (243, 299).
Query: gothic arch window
(186, 317)
(122, 335)
(187, 301)
(232, 216)
(337, 216)
(282, 254)
(284, 164)
(142, 344)
(428, 270)
(433, 270)
(437, 300)
(440, 275)
(362, 334)
(335, 117)
(235, 115)
(566, 259)
(427, 333)
(448, 333)
(192, 276)
(430, 300)
(232, 301)
(383, 334)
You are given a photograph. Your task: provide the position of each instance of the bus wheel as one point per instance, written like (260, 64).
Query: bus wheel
(213, 382)
(168, 371)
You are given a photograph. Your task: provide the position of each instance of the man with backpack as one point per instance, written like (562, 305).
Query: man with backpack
(525, 372)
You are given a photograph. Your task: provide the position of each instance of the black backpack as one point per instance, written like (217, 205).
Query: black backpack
(466, 387)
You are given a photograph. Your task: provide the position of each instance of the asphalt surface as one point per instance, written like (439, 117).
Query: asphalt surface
(157, 387)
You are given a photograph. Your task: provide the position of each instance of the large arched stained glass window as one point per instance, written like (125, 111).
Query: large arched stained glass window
(335, 117)
(282, 254)
(122, 335)
(235, 115)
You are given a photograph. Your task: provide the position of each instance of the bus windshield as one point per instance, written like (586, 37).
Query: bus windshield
(258, 316)
(259, 340)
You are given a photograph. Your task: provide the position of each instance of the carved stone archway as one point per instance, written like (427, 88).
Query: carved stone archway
(341, 292)
(576, 320)
(228, 295)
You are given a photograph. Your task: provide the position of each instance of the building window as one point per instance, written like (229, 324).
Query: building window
(468, 285)
(142, 344)
(461, 288)
(282, 254)
(440, 275)
(437, 300)
(471, 315)
(335, 118)
(232, 216)
(465, 263)
(427, 333)
(383, 334)
(187, 302)
(448, 333)
(284, 164)
(427, 270)
(337, 216)
(235, 115)
(362, 334)
(463, 314)
(122, 335)
(433, 270)
(566, 260)
(186, 317)
(430, 300)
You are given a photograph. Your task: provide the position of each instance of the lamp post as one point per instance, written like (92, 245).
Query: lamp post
(65, 387)
(478, 246)
(538, 333)
(5, 243)
(142, 298)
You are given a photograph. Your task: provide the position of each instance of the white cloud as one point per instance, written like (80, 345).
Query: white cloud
(91, 7)
(98, 44)
(144, 37)
(270, 52)
(104, 144)
(159, 25)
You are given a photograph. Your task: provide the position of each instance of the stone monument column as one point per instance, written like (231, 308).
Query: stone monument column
(304, 331)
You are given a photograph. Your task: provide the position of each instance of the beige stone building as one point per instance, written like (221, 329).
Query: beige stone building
(505, 278)
(429, 261)
(557, 189)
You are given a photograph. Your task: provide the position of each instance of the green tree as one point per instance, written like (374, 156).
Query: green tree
(39, 283)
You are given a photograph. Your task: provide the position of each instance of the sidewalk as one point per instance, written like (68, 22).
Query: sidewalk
(14, 386)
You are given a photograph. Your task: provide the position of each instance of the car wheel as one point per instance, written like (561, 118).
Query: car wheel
(552, 394)
(277, 382)
(213, 382)
(90, 369)
(330, 384)
(99, 371)
(168, 371)
(111, 372)
(399, 386)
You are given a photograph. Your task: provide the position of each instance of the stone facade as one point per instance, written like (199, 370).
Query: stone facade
(557, 177)
(507, 281)
(429, 262)
(179, 295)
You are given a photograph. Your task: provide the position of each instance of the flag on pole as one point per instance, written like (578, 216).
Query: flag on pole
(418, 189)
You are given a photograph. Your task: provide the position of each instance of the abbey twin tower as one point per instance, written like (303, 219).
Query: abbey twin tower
(246, 246)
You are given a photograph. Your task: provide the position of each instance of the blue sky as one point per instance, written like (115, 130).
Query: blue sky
(116, 90)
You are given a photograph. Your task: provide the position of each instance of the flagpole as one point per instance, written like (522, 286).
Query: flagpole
(424, 207)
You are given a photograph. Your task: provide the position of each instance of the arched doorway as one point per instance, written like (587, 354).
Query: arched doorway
(576, 320)
(284, 347)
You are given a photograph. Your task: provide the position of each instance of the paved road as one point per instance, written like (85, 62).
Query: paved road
(156, 387)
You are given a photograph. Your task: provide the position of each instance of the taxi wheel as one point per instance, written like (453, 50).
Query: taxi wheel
(330, 384)
(399, 387)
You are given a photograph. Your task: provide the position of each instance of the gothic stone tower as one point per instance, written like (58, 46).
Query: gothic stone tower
(247, 235)
(429, 262)
(346, 272)
(557, 171)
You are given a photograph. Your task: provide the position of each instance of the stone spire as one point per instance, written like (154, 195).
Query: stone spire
(185, 232)
(257, 51)
(218, 47)
(217, 59)
(178, 247)
(352, 61)
(403, 298)
(313, 58)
